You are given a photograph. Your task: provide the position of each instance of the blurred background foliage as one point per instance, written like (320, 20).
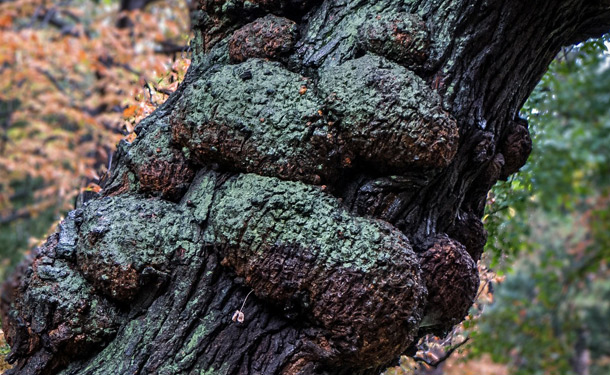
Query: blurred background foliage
(76, 76)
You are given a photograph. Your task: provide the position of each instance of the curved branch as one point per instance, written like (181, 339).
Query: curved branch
(444, 357)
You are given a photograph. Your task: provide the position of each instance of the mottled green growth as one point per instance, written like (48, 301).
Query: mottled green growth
(401, 37)
(57, 310)
(335, 34)
(331, 36)
(140, 333)
(104, 253)
(251, 117)
(126, 241)
(356, 278)
(314, 223)
(259, 117)
(388, 115)
(199, 196)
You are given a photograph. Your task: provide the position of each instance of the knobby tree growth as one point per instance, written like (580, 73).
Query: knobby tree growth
(323, 169)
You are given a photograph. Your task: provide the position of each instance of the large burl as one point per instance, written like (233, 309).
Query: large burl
(277, 166)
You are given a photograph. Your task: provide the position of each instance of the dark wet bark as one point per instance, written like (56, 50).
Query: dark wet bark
(323, 169)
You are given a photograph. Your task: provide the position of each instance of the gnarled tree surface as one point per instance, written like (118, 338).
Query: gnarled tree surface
(324, 164)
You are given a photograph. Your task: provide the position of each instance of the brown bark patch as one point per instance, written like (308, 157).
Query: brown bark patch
(223, 16)
(366, 318)
(118, 189)
(268, 37)
(452, 279)
(118, 281)
(516, 148)
(403, 39)
(468, 230)
(167, 178)
(215, 142)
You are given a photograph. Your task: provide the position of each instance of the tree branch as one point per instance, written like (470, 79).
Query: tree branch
(53, 80)
(169, 48)
(444, 357)
(595, 23)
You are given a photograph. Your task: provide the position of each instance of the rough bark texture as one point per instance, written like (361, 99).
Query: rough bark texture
(324, 164)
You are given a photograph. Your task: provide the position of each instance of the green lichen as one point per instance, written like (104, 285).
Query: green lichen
(334, 42)
(191, 348)
(358, 26)
(65, 289)
(199, 197)
(393, 116)
(153, 144)
(250, 210)
(124, 236)
(400, 37)
(59, 309)
(259, 117)
(254, 111)
(134, 335)
(166, 326)
(128, 229)
(295, 245)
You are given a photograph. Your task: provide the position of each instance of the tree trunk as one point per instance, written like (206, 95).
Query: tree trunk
(581, 359)
(308, 201)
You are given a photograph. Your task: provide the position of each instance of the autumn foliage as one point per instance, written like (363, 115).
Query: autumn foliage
(72, 84)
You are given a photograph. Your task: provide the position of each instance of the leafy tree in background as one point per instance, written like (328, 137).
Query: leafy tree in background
(71, 86)
(550, 314)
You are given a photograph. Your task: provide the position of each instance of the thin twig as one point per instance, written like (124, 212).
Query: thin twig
(53, 80)
(170, 48)
(481, 290)
(442, 359)
(245, 299)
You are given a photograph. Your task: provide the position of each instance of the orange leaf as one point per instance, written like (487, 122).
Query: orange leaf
(82, 56)
(6, 21)
(130, 111)
(131, 137)
(93, 187)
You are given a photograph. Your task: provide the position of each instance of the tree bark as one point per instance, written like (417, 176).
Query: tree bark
(322, 170)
